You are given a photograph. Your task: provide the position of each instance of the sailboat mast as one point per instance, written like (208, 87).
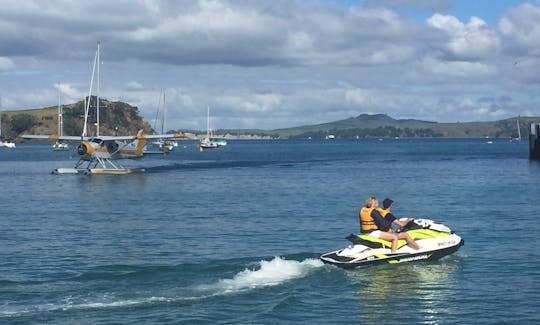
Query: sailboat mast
(519, 130)
(87, 106)
(164, 111)
(97, 92)
(208, 122)
(60, 117)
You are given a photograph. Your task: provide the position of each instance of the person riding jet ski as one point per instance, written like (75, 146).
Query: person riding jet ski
(378, 222)
(377, 244)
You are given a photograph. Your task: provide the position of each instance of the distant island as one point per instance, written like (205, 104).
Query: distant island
(121, 119)
(383, 126)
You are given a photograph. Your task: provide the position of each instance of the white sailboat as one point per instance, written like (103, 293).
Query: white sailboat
(60, 145)
(4, 142)
(166, 145)
(206, 142)
(518, 130)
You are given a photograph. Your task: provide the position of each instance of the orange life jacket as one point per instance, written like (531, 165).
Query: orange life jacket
(367, 224)
(383, 213)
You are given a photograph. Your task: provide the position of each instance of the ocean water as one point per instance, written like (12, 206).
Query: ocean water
(233, 235)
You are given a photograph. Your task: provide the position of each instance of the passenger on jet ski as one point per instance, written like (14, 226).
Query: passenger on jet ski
(386, 213)
(379, 226)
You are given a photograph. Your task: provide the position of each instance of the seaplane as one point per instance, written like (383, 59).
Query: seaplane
(100, 154)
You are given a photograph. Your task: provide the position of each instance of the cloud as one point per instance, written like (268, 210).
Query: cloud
(438, 5)
(461, 69)
(273, 64)
(6, 63)
(69, 90)
(521, 27)
(133, 86)
(471, 41)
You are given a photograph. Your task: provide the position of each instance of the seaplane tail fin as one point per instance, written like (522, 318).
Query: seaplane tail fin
(141, 143)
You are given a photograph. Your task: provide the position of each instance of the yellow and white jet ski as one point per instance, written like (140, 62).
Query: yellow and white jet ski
(435, 240)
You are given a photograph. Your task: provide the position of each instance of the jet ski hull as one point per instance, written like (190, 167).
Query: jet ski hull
(370, 251)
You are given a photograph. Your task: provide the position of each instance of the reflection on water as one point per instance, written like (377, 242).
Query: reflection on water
(415, 292)
(129, 181)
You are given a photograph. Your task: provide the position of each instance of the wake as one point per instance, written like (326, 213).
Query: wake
(270, 273)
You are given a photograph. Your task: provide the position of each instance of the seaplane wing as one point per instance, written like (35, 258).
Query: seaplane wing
(54, 137)
(114, 147)
(51, 137)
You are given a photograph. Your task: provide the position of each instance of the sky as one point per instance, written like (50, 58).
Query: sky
(277, 64)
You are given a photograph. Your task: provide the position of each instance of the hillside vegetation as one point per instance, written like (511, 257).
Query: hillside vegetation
(116, 118)
(123, 119)
(383, 126)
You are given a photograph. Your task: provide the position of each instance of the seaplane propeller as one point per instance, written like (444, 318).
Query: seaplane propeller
(84, 148)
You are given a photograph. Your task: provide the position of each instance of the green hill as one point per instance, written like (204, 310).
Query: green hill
(115, 118)
(123, 119)
(383, 126)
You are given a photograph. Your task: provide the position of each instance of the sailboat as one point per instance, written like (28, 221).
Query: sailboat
(207, 142)
(518, 130)
(166, 145)
(4, 142)
(60, 145)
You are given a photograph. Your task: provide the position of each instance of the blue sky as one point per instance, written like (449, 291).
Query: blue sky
(489, 10)
(276, 64)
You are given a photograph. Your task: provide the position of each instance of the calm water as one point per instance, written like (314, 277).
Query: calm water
(233, 235)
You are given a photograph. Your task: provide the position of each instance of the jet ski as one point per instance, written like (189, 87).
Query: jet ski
(435, 240)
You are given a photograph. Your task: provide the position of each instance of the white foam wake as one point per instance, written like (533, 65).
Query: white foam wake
(270, 273)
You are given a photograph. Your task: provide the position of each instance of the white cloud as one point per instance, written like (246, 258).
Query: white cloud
(6, 63)
(474, 40)
(69, 90)
(272, 64)
(359, 96)
(134, 85)
(460, 69)
(521, 27)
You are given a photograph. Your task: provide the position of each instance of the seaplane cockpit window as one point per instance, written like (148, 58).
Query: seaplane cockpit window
(96, 140)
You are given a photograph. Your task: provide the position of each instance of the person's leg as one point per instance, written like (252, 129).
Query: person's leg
(410, 241)
(390, 237)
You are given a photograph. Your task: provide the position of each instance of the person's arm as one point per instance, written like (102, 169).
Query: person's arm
(401, 223)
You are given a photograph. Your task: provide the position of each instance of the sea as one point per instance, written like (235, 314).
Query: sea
(233, 235)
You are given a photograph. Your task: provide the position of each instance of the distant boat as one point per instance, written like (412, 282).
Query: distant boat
(4, 142)
(219, 141)
(210, 142)
(60, 145)
(330, 137)
(206, 143)
(166, 145)
(518, 130)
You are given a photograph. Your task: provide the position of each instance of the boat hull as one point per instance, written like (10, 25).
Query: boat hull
(396, 258)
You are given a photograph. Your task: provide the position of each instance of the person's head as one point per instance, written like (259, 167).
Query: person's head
(371, 202)
(387, 203)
